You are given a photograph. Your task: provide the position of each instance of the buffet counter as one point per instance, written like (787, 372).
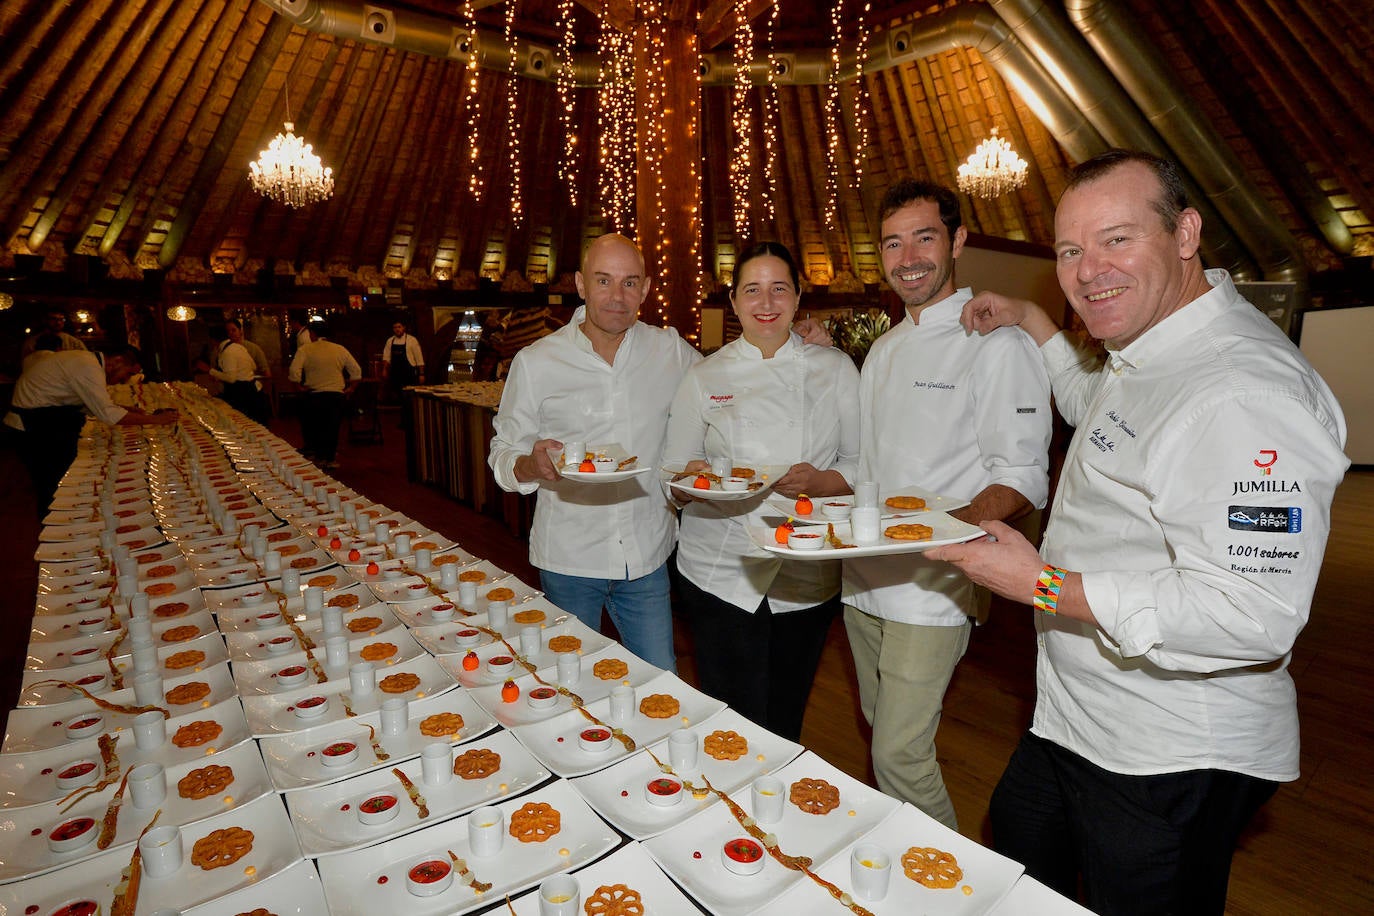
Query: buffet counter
(446, 447)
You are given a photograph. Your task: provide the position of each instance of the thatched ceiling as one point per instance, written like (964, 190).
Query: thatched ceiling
(127, 126)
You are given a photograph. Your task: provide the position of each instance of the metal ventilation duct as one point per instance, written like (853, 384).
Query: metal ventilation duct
(1118, 40)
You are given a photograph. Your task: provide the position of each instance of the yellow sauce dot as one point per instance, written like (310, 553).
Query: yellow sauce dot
(209, 751)
(685, 720)
(251, 870)
(503, 787)
(968, 891)
(852, 812)
(229, 800)
(564, 851)
(760, 758)
(419, 694)
(204, 704)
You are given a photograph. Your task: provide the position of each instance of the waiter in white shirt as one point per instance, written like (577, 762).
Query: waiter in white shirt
(1179, 563)
(403, 363)
(50, 402)
(950, 413)
(236, 372)
(328, 372)
(605, 377)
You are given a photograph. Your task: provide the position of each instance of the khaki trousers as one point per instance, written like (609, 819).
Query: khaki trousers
(903, 671)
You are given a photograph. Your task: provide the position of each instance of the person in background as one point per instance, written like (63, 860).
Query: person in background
(50, 402)
(961, 416)
(1179, 563)
(403, 363)
(759, 622)
(328, 372)
(235, 371)
(262, 368)
(297, 332)
(605, 377)
(54, 323)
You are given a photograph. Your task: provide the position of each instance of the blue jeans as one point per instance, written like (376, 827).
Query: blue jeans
(639, 608)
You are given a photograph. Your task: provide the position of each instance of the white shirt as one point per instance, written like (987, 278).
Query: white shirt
(801, 405)
(67, 378)
(235, 363)
(1195, 501)
(323, 365)
(951, 413)
(559, 388)
(414, 356)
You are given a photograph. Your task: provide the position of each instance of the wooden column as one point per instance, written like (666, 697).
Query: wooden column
(668, 170)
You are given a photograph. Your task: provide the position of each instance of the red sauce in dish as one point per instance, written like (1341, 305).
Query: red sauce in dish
(429, 872)
(72, 829)
(310, 702)
(90, 679)
(596, 734)
(340, 749)
(78, 908)
(87, 722)
(77, 769)
(742, 850)
(665, 787)
(292, 671)
(543, 693)
(378, 803)
(502, 660)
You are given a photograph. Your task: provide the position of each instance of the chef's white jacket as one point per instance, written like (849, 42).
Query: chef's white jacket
(67, 378)
(234, 363)
(560, 388)
(1195, 502)
(952, 413)
(736, 406)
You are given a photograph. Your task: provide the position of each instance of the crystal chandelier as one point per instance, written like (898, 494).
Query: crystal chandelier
(181, 313)
(993, 169)
(289, 172)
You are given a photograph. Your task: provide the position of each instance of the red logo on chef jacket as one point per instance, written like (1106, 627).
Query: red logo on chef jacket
(1266, 461)
(721, 398)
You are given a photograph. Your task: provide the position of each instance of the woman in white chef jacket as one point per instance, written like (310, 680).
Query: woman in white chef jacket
(759, 621)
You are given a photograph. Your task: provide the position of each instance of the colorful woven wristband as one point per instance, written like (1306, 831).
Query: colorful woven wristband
(1047, 588)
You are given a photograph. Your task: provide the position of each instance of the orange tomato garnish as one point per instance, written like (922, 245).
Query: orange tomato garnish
(587, 466)
(804, 506)
(373, 568)
(781, 532)
(471, 662)
(702, 482)
(354, 555)
(509, 692)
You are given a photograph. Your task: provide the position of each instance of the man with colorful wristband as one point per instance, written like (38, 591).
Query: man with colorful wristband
(1179, 564)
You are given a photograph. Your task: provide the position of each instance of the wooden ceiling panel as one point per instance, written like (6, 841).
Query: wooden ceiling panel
(126, 129)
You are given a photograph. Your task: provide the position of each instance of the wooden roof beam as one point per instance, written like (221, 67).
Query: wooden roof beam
(231, 122)
(158, 126)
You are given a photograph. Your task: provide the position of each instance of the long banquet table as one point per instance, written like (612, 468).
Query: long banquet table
(331, 706)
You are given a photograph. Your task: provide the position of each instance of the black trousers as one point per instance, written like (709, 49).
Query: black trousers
(247, 399)
(321, 416)
(1153, 845)
(48, 447)
(762, 664)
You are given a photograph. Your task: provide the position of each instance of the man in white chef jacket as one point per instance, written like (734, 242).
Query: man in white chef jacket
(958, 415)
(1179, 563)
(604, 378)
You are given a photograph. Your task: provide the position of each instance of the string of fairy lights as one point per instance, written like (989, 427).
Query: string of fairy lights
(471, 112)
(771, 118)
(742, 119)
(565, 82)
(517, 204)
(628, 146)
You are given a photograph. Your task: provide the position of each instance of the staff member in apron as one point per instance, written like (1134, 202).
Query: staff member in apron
(50, 402)
(403, 363)
(236, 371)
(759, 622)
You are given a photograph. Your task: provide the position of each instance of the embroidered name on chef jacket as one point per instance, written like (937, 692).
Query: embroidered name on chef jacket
(934, 385)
